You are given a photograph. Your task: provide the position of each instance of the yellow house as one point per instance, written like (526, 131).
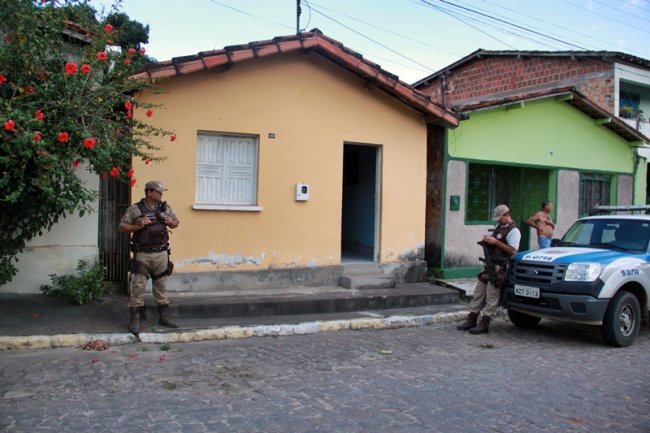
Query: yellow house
(291, 157)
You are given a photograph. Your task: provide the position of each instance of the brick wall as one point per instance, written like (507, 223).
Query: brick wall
(494, 75)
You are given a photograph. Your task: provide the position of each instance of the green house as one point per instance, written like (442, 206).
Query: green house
(519, 150)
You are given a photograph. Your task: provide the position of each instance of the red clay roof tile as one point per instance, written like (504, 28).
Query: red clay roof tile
(317, 43)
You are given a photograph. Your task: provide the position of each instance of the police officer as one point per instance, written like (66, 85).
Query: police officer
(148, 222)
(502, 244)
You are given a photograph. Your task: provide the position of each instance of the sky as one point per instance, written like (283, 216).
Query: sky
(408, 38)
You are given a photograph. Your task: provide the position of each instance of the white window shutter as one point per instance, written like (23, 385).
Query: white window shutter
(226, 170)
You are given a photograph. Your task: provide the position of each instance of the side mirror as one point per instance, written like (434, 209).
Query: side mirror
(555, 242)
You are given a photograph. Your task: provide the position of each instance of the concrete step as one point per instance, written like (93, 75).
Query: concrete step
(366, 281)
(309, 300)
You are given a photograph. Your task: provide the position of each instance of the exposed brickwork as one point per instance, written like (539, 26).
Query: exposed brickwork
(493, 75)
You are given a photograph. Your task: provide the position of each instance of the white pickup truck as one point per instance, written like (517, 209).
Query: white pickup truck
(597, 274)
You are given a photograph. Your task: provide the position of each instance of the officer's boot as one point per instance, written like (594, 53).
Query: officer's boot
(483, 326)
(163, 311)
(469, 323)
(134, 323)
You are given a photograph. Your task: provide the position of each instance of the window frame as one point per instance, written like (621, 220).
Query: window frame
(202, 203)
(592, 177)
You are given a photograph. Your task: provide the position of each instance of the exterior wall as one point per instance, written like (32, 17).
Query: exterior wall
(500, 74)
(625, 190)
(566, 206)
(460, 239)
(545, 133)
(313, 107)
(57, 251)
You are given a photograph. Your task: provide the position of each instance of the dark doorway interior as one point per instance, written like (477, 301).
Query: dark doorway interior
(359, 215)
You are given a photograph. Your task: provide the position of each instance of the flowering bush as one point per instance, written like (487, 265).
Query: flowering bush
(66, 98)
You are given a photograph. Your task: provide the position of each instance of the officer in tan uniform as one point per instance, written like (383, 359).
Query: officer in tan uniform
(148, 221)
(502, 244)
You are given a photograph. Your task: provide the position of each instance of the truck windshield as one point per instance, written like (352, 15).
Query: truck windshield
(614, 234)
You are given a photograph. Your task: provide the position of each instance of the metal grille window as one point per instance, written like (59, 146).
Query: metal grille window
(595, 189)
(521, 188)
(226, 170)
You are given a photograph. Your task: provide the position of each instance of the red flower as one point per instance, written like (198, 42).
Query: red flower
(89, 143)
(2, 78)
(130, 172)
(115, 171)
(127, 61)
(172, 137)
(39, 115)
(142, 51)
(131, 52)
(147, 161)
(37, 136)
(75, 163)
(163, 357)
(10, 125)
(108, 28)
(63, 137)
(101, 56)
(29, 90)
(71, 68)
(133, 182)
(85, 68)
(149, 112)
(41, 74)
(128, 105)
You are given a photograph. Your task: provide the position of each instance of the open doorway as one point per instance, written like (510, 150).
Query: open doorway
(360, 208)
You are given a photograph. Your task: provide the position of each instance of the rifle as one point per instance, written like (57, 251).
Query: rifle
(488, 260)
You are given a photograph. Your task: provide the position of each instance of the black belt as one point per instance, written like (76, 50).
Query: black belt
(138, 249)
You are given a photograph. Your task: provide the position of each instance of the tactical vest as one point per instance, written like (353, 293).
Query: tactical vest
(501, 234)
(153, 235)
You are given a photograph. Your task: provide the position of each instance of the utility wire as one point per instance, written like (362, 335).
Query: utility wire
(550, 23)
(466, 23)
(621, 11)
(607, 17)
(373, 40)
(517, 26)
(387, 30)
(502, 29)
(251, 15)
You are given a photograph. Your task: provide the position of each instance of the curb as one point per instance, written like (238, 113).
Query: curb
(229, 332)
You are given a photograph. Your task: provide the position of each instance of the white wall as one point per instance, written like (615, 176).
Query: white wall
(58, 251)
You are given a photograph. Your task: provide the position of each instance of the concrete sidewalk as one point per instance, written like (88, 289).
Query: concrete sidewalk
(39, 321)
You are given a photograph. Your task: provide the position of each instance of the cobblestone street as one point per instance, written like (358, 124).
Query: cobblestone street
(556, 378)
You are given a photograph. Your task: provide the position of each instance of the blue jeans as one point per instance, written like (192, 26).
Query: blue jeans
(544, 242)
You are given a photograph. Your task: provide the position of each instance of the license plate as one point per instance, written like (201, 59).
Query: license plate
(527, 291)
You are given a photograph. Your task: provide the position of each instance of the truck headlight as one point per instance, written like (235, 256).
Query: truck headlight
(582, 272)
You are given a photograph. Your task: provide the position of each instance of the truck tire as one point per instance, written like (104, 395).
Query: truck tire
(622, 320)
(523, 320)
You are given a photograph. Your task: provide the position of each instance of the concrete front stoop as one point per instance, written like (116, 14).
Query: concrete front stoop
(365, 276)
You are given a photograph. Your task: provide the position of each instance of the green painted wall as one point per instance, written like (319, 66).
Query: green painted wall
(545, 132)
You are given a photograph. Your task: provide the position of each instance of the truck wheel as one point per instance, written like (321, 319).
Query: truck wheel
(622, 320)
(523, 320)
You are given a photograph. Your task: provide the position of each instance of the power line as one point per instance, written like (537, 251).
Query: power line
(466, 23)
(517, 26)
(387, 30)
(251, 15)
(607, 17)
(373, 40)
